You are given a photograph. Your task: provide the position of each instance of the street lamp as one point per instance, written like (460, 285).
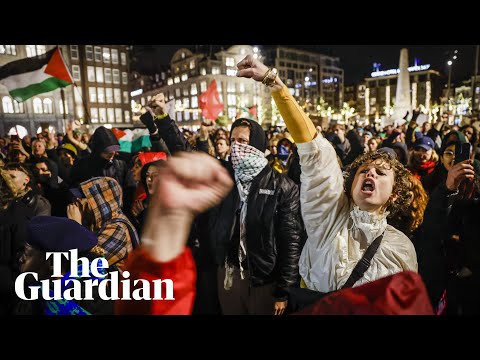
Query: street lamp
(449, 63)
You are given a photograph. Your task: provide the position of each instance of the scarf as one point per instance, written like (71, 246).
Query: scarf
(247, 161)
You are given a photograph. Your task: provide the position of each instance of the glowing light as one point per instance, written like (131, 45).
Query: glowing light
(449, 63)
(396, 71)
(255, 49)
(136, 92)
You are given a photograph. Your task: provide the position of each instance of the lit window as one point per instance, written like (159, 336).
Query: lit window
(193, 89)
(79, 110)
(102, 112)
(125, 97)
(176, 80)
(126, 114)
(195, 115)
(124, 78)
(106, 55)
(108, 75)
(184, 77)
(117, 96)
(111, 115)
(242, 51)
(8, 49)
(101, 95)
(118, 115)
(41, 49)
(76, 72)
(170, 81)
(7, 105)
(92, 94)
(74, 52)
(98, 54)
(242, 87)
(116, 76)
(47, 106)
(194, 102)
(232, 112)
(186, 116)
(229, 61)
(94, 115)
(179, 116)
(185, 91)
(31, 50)
(60, 106)
(142, 101)
(114, 56)
(109, 95)
(99, 73)
(186, 103)
(89, 53)
(231, 99)
(123, 58)
(18, 107)
(215, 70)
(177, 92)
(203, 71)
(91, 73)
(231, 87)
(231, 72)
(192, 64)
(37, 106)
(203, 86)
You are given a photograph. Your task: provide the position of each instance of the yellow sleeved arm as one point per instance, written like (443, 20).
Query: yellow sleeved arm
(298, 123)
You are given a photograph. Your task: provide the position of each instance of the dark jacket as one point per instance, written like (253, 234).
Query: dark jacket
(273, 230)
(171, 135)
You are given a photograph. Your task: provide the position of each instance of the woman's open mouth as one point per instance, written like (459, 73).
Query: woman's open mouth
(368, 186)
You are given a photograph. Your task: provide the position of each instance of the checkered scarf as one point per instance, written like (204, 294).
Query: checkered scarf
(247, 161)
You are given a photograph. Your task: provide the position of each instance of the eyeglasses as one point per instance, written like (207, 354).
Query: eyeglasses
(448, 153)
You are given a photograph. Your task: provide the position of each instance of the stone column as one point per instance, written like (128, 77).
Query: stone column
(403, 101)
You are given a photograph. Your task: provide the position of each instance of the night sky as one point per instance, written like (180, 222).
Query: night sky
(356, 60)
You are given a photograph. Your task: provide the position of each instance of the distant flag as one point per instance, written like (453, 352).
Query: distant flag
(132, 141)
(28, 77)
(210, 102)
(248, 113)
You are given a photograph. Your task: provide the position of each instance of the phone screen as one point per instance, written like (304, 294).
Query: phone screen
(462, 152)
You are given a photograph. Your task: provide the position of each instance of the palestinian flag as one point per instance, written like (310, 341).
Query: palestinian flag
(132, 141)
(32, 76)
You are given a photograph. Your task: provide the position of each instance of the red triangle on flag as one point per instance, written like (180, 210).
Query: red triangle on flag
(118, 133)
(57, 68)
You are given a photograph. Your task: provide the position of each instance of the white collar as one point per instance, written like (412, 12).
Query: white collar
(372, 225)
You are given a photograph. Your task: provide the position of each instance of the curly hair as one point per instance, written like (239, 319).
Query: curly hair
(409, 220)
(401, 184)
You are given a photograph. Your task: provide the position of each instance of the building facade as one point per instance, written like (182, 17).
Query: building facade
(101, 96)
(309, 75)
(380, 90)
(191, 73)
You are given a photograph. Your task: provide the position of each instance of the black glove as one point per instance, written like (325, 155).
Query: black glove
(147, 120)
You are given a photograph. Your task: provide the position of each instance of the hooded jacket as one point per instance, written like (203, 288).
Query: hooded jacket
(116, 234)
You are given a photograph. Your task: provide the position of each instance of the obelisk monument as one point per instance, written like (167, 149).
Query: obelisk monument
(403, 102)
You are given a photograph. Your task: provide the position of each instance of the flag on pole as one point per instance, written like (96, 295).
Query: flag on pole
(210, 102)
(32, 76)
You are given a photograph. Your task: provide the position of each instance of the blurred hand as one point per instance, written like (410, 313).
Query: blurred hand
(137, 207)
(73, 213)
(458, 173)
(279, 307)
(190, 182)
(156, 105)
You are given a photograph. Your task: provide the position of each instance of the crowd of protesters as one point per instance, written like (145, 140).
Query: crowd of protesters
(240, 218)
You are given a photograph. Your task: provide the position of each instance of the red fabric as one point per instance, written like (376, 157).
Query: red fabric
(425, 169)
(210, 102)
(180, 270)
(57, 68)
(140, 193)
(253, 111)
(118, 133)
(400, 294)
(148, 157)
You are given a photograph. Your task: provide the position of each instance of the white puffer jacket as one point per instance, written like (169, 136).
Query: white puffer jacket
(338, 231)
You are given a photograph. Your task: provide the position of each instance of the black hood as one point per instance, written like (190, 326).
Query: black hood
(404, 151)
(101, 139)
(258, 138)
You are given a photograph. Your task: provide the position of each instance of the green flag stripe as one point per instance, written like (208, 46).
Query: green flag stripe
(35, 89)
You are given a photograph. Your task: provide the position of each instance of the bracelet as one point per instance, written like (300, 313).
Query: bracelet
(159, 117)
(270, 77)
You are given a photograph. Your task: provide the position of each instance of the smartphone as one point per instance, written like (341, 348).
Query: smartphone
(14, 138)
(462, 152)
